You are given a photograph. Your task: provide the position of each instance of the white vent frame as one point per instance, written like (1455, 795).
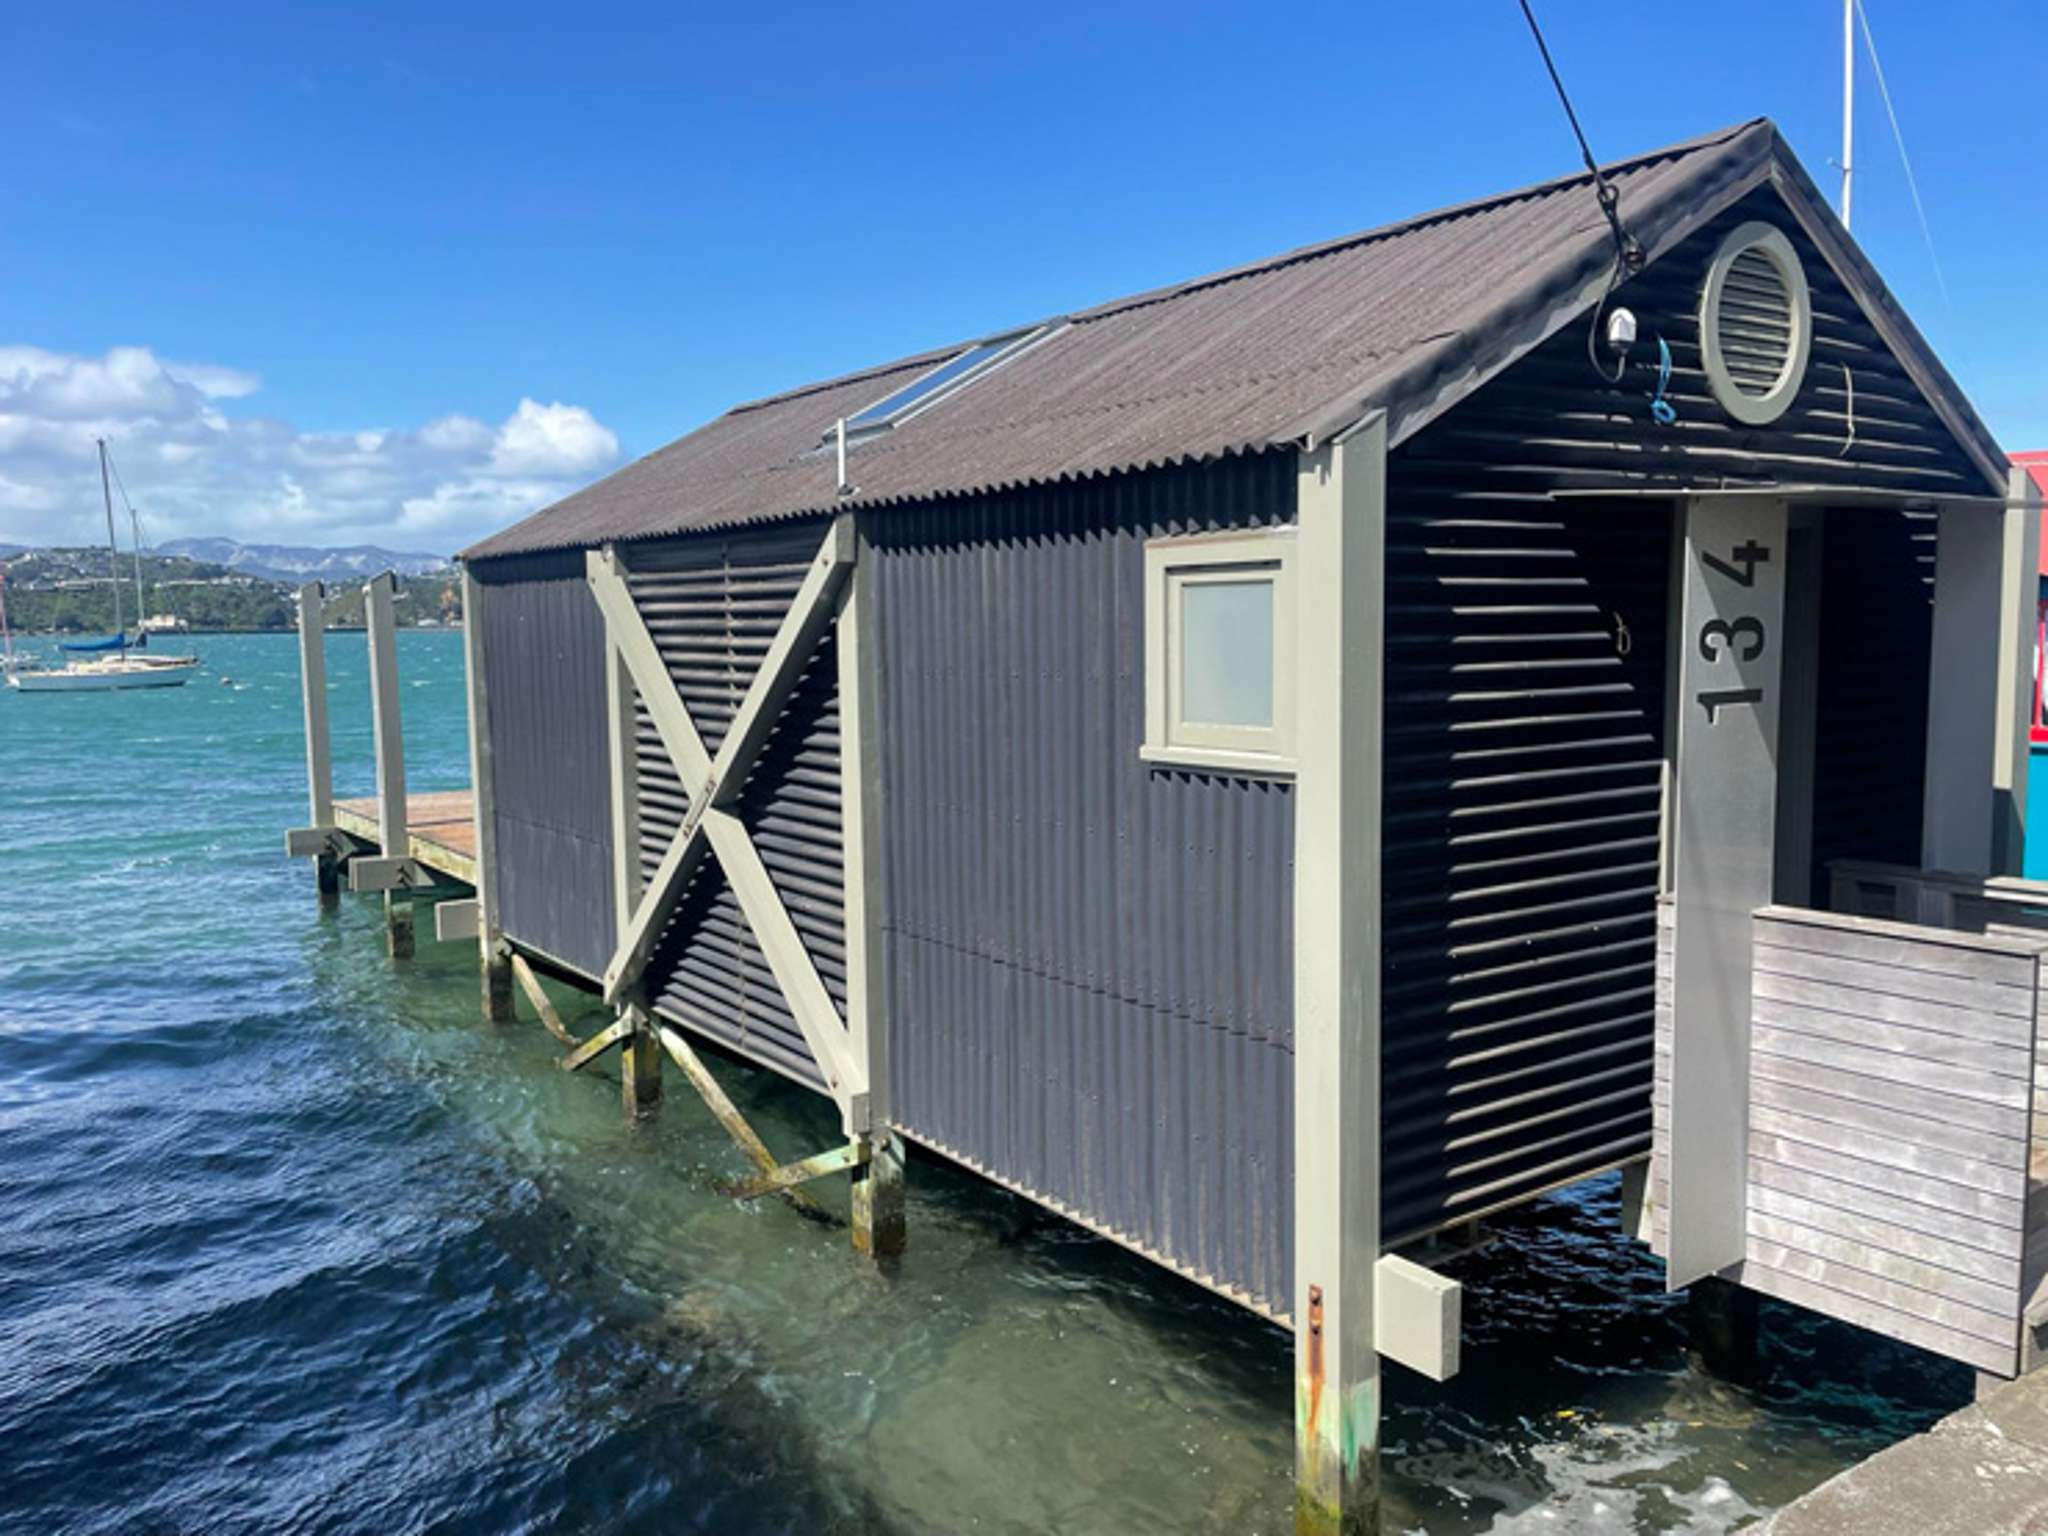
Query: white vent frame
(1771, 242)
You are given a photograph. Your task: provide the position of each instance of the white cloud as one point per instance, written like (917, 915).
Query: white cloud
(193, 469)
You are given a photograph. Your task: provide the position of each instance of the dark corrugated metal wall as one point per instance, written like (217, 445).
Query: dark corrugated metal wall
(1091, 956)
(1876, 645)
(544, 659)
(1523, 802)
(1550, 422)
(1524, 755)
(713, 605)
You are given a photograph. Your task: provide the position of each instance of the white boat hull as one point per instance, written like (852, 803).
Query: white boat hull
(100, 678)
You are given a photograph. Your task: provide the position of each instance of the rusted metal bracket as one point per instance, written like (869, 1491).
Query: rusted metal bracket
(854, 1154)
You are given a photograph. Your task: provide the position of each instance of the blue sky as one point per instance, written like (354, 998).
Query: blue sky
(400, 272)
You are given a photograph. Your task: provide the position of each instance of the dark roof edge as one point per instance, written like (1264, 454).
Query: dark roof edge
(1438, 377)
(1887, 316)
(1443, 375)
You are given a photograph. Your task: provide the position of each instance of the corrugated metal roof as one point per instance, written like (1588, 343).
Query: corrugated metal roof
(1407, 318)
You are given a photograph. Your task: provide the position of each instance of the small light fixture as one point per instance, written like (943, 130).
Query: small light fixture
(1621, 332)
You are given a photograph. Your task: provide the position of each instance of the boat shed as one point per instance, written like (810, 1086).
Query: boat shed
(1212, 763)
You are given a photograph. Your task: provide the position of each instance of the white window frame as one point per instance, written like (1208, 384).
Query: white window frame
(1171, 565)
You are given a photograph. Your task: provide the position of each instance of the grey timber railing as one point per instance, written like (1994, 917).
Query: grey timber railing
(1897, 1170)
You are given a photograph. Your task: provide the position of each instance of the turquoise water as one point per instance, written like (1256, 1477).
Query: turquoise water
(290, 1242)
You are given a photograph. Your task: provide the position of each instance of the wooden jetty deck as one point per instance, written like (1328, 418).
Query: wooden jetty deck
(440, 829)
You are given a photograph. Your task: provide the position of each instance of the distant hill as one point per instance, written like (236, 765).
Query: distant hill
(65, 591)
(301, 562)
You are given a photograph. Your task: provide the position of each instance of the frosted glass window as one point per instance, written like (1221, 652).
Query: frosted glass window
(1219, 652)
(1226, 652)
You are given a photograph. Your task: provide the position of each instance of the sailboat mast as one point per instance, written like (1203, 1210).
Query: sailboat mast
(113, 546)
(1848, 99)
(135, 527)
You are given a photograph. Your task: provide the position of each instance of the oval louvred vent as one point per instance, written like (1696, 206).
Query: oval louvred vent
(1756, 324)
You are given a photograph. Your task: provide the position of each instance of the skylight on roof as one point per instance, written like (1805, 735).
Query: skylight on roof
(955, 373)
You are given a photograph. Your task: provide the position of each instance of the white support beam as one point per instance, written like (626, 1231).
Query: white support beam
(2019, 611)
(625, 790)
(381, 872)
(313, 687)
(878, 1212)
(1340, 593)
(1964, 697)
(493, 955)
(783, 947)
(708, 826)
(642, 658)
(1731, 643)
(810, 614)
(386, 717)
(456, 920)
(1418, 1317)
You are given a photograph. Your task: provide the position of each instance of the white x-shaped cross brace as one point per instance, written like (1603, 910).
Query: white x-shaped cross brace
(713, 783)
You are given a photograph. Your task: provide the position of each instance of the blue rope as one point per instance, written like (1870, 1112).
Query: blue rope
(1663, 410)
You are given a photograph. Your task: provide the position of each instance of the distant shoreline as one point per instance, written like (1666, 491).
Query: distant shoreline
(160, 635)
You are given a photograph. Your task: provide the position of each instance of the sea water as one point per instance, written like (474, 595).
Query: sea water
(291, 1242)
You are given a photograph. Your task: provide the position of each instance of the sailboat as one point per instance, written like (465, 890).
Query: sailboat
(118, 662)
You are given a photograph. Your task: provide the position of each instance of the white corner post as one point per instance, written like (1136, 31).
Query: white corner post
(1731, 646)
(2018, 619)
(387, 723)
(1964, 696)
(319, 749)
(493, 954)
(1340, 591)
(879, 1228)
(640, 1057)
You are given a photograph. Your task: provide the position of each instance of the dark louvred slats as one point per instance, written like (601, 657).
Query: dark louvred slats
(713, 608)
(1524, 726)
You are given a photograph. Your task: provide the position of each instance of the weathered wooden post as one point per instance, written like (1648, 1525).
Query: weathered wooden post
(640, 1063)
(319, 751)
(1731, 646)
(387, 723)
(494, 955)
(1340, 587)
(879, 1228)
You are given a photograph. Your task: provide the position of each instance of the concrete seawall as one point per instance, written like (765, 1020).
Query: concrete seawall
(1980, 1472)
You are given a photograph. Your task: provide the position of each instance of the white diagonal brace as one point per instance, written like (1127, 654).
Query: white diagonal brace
(711, 784)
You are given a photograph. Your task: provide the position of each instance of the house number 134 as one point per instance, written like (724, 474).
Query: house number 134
(1743, 637)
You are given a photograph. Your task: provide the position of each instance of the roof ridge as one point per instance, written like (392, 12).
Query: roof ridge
(1416, 221)
(1271, 263)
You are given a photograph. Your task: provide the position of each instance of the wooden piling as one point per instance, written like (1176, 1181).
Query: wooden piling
(319, 750)
(879, 1228)
(494, 955)
(640, 1066)
(389, 732)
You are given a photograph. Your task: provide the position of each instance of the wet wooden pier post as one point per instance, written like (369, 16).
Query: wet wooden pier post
(494, 955)
(640, 1065)
(319, 748)
(1341, 563)
(880, 1230)
(388, 727)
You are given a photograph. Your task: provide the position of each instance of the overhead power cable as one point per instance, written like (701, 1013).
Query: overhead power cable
(1628, 253)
